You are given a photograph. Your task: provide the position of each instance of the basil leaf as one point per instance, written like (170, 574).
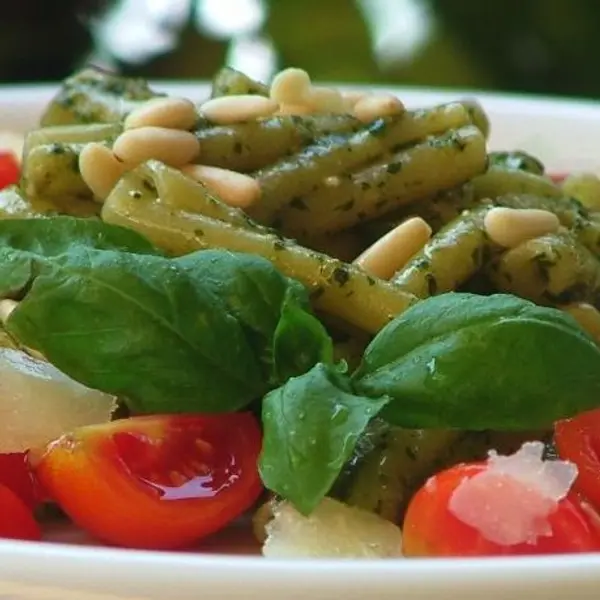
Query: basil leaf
(52, 236)
(273, 309)
(481, 362)
(300, 341)
(137, 326)
(311, 426)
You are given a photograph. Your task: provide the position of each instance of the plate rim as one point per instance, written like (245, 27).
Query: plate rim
(478, 572)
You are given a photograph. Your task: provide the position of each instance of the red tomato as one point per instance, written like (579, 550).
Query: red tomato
(432, 528)
(9, 169)
(155, 481)
(16, 520)
(578, 440)
(16, 474)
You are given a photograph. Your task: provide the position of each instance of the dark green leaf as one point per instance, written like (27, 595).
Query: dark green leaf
(300, 341)
(49, 237)
(273, 310)
(138, 327)
(481, 362)
(311, 426)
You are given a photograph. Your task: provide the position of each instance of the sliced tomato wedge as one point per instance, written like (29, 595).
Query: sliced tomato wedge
(9, 169)
(16, 519)
(155, 482)
(578, 440)
(497, 516)
(16, 474)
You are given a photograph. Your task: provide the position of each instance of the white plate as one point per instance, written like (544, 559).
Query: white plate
(564, 134)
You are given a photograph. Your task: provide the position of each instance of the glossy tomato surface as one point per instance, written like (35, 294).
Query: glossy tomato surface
(432, 528)
(578, 440)
(156, 481)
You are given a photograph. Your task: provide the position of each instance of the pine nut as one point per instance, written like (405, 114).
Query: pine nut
(233, 188)
(351, 97)
(374, 106)
(172, 147)
(100, 169)
(290, 86)
(587, 316)
(236, 109)
(172, 113)
(325, 100)
(391, 252)
(6, 308)
(509, 227)
(294, 109)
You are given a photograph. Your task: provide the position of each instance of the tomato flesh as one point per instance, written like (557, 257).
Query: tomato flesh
(432, 529)
(155, 482)
(9, 169)
(16, 519)
(16, 475)
(578, 440)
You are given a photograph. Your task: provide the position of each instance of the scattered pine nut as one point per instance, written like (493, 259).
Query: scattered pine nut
(587, 316)
(236, 109)
(6, 308)
(100, 169)
(351, 97)
(235, 189)
(291, 86)
(374, 106)
(325, 100)
(509, 227)
(172, 113)
(170, 146)
(391, 252)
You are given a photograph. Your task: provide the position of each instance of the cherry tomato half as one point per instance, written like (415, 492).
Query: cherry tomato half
(16, 475)
(432, 528)
(16, 519)
(155, 481)
(578, 440)
(9, 169)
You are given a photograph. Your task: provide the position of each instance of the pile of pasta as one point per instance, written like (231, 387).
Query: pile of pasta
(371, 210)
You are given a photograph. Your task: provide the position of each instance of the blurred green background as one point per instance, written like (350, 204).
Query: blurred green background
(535, 46)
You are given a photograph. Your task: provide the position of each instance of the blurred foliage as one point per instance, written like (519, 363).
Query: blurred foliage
(542, 46)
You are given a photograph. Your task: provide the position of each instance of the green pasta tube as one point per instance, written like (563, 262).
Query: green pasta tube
(230, 82)
(337, 288)
(416, 173)
(553, 270)
(95, 96)
(449, 259)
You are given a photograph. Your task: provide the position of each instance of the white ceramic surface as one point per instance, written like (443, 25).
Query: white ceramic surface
(566, 136)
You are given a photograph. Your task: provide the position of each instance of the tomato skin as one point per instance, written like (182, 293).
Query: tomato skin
(432, 529)
(16, 474)
(16, 519)
(155, 482)
(578, 439)
(9, 169)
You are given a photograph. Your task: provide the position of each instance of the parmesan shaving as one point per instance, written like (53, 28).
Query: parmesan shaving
(510, 501)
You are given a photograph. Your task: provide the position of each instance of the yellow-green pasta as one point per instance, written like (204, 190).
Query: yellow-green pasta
(230, 82)
(552, 270)
(94, 96)
(336, 287)
(416, 173)
(255, 144)
(499, 182)
(294, 176)
(449, 259)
